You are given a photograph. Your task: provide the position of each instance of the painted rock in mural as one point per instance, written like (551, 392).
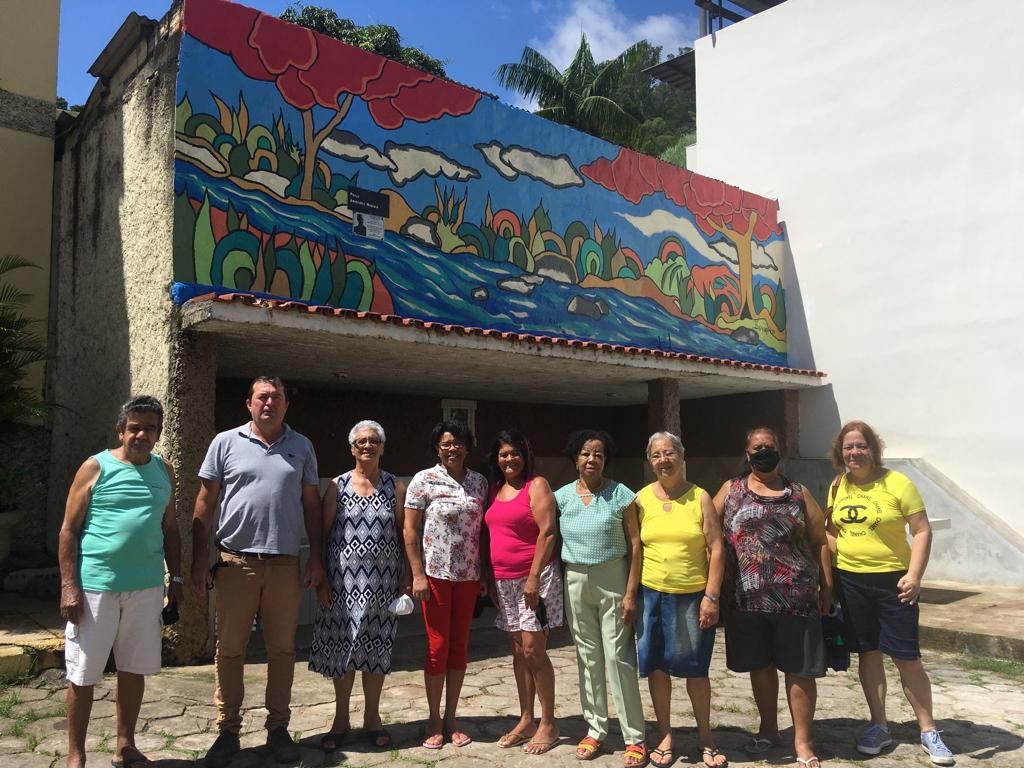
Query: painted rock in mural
(522, 285)
(588, 306)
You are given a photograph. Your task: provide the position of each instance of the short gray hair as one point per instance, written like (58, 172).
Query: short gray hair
(366, 424)
(676, 442)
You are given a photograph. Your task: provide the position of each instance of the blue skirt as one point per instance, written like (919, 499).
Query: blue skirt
(669, 636)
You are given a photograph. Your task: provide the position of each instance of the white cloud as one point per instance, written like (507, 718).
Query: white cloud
(512, 161)
(403, 162)
(348, 146)
(610, 31)
(765, 260)
(411, 161)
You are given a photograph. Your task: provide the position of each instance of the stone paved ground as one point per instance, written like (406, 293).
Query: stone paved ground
(981, 714)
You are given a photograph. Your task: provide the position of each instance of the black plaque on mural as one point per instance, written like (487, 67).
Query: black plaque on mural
(365, 201)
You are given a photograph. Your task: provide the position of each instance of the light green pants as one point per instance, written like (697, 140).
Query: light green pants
(604, 645)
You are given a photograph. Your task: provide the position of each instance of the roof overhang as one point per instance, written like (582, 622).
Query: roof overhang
(363, 351)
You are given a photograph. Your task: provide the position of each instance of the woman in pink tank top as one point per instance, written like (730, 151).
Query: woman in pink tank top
(521, 531)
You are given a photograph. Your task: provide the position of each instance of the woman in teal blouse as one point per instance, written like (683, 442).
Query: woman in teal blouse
(601, 552)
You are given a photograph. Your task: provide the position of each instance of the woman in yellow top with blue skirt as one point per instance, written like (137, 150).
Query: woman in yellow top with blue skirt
(680, 581)
(870, 509)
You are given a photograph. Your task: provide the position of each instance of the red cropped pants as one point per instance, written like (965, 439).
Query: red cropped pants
(447, 615)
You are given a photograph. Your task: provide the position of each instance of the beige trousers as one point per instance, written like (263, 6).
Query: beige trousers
(245, 586)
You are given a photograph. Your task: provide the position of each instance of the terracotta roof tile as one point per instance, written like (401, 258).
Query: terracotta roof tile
(283, 305)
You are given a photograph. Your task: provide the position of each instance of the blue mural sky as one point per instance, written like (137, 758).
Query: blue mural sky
(472, 37)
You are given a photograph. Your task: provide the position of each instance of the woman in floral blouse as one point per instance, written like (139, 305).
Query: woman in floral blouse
(443, 510)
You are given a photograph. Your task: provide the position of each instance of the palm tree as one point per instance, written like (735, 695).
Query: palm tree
(19, 348)
(579, 96)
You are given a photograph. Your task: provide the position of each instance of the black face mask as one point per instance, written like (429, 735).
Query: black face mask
(764, 459)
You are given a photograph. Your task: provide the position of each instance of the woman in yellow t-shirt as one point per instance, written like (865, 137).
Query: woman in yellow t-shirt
(870, 509)
(680, 581)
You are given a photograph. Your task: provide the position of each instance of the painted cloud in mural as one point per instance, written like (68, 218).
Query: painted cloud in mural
(511, 161)
(766, 259)
(413, 161)
(347, 146)
(403, 162)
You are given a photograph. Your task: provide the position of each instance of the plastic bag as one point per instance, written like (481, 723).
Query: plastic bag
(402, 605)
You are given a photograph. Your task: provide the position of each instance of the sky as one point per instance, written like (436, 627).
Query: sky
(472, 37)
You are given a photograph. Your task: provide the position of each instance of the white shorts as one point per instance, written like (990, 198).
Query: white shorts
(127, 623)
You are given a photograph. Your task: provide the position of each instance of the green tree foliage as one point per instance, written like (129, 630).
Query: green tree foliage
(613, 100)
(19, 348)
(582, 95)
(382, 39)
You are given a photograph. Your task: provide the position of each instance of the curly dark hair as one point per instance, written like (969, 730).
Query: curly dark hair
(517, 440)
(457, 429)
(580, 437)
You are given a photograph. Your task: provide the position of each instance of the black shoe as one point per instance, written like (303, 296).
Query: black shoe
(281, 746)
(224, 748)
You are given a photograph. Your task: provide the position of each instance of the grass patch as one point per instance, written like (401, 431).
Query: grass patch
(1012, 669)
(7, 702)
(16, 729)
(32, 741)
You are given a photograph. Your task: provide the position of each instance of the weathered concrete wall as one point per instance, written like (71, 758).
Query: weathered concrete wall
(112, 266)
(188, 431)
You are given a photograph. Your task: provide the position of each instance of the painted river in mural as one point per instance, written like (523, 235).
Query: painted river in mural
(427, 284)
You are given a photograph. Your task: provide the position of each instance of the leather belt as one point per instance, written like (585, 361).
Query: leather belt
(253, 555)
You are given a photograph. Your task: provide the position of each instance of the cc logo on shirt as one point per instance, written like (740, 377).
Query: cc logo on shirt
(853, 513)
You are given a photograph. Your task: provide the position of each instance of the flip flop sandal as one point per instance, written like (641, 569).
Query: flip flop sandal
(712, 753)
(809, 762)
(433, 741)
(540, 747)
(662, 757)
(379, 738)
(512, 739)
(459, 739)
(635, 755)
(590, 747)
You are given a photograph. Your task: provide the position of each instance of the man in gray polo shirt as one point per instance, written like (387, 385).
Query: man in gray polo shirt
(261, 479)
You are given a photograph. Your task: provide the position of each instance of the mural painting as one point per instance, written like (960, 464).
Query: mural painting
(496, 219)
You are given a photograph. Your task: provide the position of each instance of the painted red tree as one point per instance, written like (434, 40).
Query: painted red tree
(740, 217)
(311, 70)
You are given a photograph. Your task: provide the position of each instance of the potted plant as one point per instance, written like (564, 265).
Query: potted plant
(20, 347)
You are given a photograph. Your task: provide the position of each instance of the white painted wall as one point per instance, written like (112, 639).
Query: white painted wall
(893, 135)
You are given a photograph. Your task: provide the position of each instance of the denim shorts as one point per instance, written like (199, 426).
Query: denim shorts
(875, 618)
(669, 637)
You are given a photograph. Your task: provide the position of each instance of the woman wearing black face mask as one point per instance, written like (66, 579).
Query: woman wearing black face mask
(777, 584)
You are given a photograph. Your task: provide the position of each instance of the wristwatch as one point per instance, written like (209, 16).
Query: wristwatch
(712, 598)
(177, 579)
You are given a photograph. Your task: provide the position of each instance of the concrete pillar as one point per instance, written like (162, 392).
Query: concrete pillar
(188, 430)
(663, 406)
(791, 423)
(662, 413)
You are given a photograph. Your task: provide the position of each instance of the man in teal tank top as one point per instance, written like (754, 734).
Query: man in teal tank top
(119, 528)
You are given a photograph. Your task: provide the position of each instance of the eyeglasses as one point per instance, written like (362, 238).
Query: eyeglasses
(451, 446)
(367, 442)
(663, 455)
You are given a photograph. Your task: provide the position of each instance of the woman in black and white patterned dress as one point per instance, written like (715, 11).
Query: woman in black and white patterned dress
(363, 513)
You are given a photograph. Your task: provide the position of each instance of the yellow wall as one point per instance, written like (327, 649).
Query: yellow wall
(28, 68)
(28, 47)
